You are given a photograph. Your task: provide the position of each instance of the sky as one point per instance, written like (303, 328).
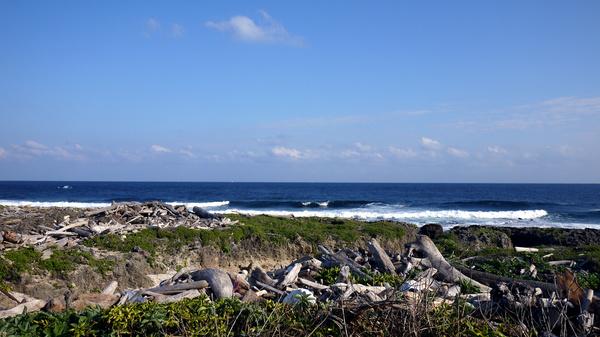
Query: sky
(352, 91)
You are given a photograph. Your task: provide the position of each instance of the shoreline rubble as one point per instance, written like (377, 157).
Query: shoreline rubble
(424, 271)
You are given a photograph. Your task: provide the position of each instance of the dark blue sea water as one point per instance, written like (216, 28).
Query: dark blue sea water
(449, 204)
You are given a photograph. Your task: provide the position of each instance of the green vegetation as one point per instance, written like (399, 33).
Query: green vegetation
(328, 276)
(449, 245)
(201, 317)
(467, 287)
(263, 229)
(17, 261)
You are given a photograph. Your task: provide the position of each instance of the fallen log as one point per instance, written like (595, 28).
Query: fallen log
(526, 250)
(258, 274)
(291, 276)
(77, 223)
(491, 279)
(30, 306)
(312, 284)
(61, 233)
(193, 293)
(340, 259)
(82, 232)
(104, 301)
(561, 262)
(177, 288)
(110, 288)
(447, 272)
(99, 211)
(218, 280)
(269, 288)
(382, 260)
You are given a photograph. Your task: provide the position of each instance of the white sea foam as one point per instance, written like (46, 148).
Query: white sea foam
(407, 215)
(190, 205)
(53, 203)
(320, 204)
(208, 204)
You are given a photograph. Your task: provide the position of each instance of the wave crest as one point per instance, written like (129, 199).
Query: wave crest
(53, 203)
(409, 215)
(207, 204)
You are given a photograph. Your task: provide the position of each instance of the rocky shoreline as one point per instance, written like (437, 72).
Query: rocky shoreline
(493, 270)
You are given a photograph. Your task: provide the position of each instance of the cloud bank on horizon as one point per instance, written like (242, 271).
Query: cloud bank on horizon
(230, 92)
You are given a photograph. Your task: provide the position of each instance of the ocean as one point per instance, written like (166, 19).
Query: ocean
(544, 205)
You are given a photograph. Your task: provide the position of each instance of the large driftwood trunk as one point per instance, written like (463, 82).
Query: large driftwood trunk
(447, 272)
(382, 260)
(491, 279)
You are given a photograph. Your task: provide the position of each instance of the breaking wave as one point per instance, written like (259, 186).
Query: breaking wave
(207, 205)
(73, 204)
(406, 215)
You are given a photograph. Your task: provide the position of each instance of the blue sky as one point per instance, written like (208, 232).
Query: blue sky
(461, 91)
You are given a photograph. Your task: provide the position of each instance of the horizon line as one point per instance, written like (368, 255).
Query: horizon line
(301, 182)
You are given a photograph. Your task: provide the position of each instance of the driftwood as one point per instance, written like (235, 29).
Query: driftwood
(423, 281)
(177, 288)
(561, 262)
(104, 301)
(30, 306)
(77, 223)
(258, 274)
(291, 276)
(312, 284)
(526, 249)
(382, 260)
(218, 280)
(340, 259)
(110, 288)
(447, 272)
(491, 279)
(193, 293)
(270, 288)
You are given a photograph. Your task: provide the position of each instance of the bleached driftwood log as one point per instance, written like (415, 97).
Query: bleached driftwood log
(382, 260)
(177, 288)
(30, 306)
(491, 279)
(446, 271)
(340, 259)
(291, 276)
(218, 280)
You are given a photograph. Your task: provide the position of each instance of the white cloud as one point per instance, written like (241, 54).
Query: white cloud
(496, 149)
(152, 26)
(2, 153)
(572, 105)
(361, 150)
(457, 152)
(566, 150)
(282, 151)
(160, 149)
(402, 153)
(350, 153)
(33, 145)
(431, 144)
(246, 29)
(363, 147)
(177, 30)
(551, 112)
(31, 148)
(188, 153)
